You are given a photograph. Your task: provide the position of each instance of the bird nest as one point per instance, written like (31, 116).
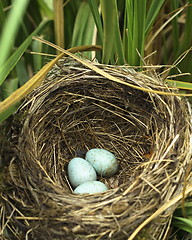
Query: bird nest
(76, 109)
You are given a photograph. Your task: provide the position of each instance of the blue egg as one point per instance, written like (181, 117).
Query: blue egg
(91, 187)
(103, 161)
(80, 171)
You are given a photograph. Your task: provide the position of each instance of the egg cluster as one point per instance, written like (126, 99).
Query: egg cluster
(82, 173)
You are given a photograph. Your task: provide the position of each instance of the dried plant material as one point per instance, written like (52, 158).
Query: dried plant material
(76, 109)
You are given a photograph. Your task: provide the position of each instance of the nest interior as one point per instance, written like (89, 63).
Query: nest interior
(74, 110)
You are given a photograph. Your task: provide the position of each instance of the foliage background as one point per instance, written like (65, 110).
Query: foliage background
(146, 34)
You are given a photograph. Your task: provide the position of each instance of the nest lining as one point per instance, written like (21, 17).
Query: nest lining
(74, 110)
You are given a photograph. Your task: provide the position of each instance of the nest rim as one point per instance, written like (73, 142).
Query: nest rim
(120, 206)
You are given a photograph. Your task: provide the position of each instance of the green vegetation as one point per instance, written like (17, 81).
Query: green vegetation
(134, 32)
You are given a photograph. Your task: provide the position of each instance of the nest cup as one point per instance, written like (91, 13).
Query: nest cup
(76, 109)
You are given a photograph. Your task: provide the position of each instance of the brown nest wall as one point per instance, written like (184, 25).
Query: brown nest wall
(74, 110)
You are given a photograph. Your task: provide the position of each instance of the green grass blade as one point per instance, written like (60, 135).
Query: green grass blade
(45, 9)
(70, 14)
(135, 11)
(88, 34)
(183, 223)
(8, 112)
(21, 72)
(80, 24)
(108, 15)
(129, 31)
(83, 28)
(174, 6)
(2, 15)
(7, 88)
(37, 59)
(95, 12)
(180, 84)
(152, 13)
(140, 27)
(10, 28)
(186, 43)
(125, 35)
(187, 38)
(118, 41)
(6, 67)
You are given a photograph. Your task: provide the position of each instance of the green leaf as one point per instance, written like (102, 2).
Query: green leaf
(45, 9)
(83, 28)
(134, 30)
(140, 27)
(88, 34)
(183, 223)
(9, 87)
(37, 59)
(95, 12)
(2, 15)
(10, 28)
(21, 72)
(118, 41)
(6, 67)
(152, 13)
(187, 38)
(180, 84)
(80, 24)
(109, 17)
(8, 112)
(174, 6)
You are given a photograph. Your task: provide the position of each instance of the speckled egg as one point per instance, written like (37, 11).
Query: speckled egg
(80, 171)
(103, 161)
(91, 187)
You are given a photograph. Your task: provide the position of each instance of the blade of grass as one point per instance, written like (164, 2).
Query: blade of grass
(118, 41)
(183, 223)
(187, 37)
(10, 28)
(59, 22)
(80, 24)
(129, 31)
(45, 10)
(152, 13)
(135, 11)
(2, 15)
(179, 211)
(108, 15)
(88, 34)
(174, 6)
(140, 27)
(162, 27)
(37, 58)
(9, 87)
(95, 12)
(21, 72)
(5, 68)
(21, 92)
(83, 28)
(70, 14)
(125, 34)
(4, 115)
(180, 84)
(185, 43)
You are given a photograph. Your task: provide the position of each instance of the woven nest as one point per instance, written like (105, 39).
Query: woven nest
(74, 110)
